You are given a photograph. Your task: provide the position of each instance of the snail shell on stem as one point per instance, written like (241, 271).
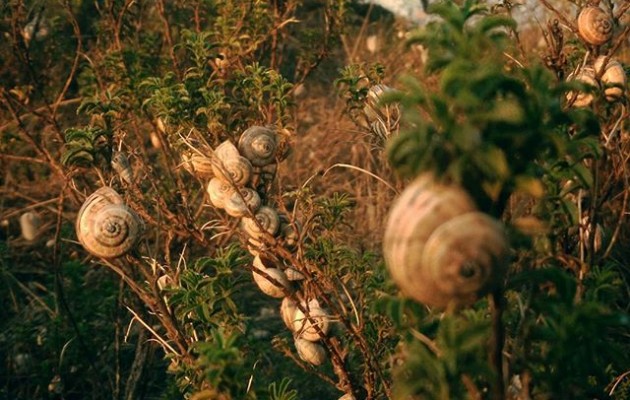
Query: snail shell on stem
(236, 170)
(259, 144)
(30, 223)
(613, 77)
(198, 165)
(272, 281)
(106, 227)
(226, 150)
(582, 99)
(310, 352)
(219, 192)
(306, 327)
(268, 219)
(594, 25)
(121, 165)
(240, 200)
(439, 249)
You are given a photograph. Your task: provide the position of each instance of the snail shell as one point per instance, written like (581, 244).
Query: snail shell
(237, 204)
(275, 289)
(106, 227)
(268, 219)
(287, 311)
(438, 249)
(306, 329)
(226, 150)
(595, 25)
(236, 170)
(30, 223)
(382, 119)
(310, 352)
(198, 165)
(582, 99)
(219, 192)
(258, 144)
(293, 274)
(121, 165)
(613, 77)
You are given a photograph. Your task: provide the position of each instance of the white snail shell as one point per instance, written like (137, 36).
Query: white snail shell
(235, 170)
(594, 25)
(106, 227)
(268, 219)
(587, 76)
(613, 77)
(121, 165)
(30, 223)
(275, 289)
(310, 352)
(198, 165)
(219, 192)
(438, 249)
(287, 311)
(306, 329)
(226, 150)
(237, 204)
(259, 144)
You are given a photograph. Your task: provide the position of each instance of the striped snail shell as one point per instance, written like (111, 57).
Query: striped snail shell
(258, 144)
(105, 226)
(594, 25)
(30, 223)
(586, 76)
(613, 77)
(198, 165)
(312, 353)
(240, 200)
(287, 311)
(275, 289)
(293, 274)
(235, 170)
(268, 219)
(307, 327)
(121, 165)
(439, 249)
(226, 150)
(219, 192)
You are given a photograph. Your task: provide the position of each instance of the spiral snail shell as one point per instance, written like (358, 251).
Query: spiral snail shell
(198, 165)
(226, 150)
(30, 223)
(275, 289)
(613, 77)
(235, 170)
(594, 25)
(439, 249)
(258, 144)
(219, 192)
(310, 352)
(308, 327)
(586, 76)
(268, 219)
(121, 165)
(240, 200)
(293, 274)
(105, 226)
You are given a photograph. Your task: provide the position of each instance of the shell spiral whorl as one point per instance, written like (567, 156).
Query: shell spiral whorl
(258, 144)
(594, 25)
(439, 249)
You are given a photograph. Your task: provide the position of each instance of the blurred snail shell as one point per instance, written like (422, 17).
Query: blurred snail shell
(312, 353)
(237, 204)
(275, 289)
(594, 25)
(293, 274)
(106, 227)
(198, 165)
(30, 222)
(582, 99)
(268, 219)
(287, 311)
(438, 249)
(258, 144)
(121, 165)
(236, 170)
(613, 77)
(306, 329)
(219, 192)
(226, 150)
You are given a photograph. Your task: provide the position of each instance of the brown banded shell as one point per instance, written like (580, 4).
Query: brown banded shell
(121, 165)
(613, 77)
(438, 249)
(106, 227)
(582, 99)
(226, 150)
(308, 327)
(198, 165)
(237, 204)
(30, 223)
(595, 25)
(274, 287)
(219, 192)
(236, 170)
(258, 144)
(312, 353)
(268, 219)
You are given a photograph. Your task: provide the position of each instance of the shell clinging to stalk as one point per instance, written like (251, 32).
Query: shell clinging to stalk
(582, 99)
(258, 144)
(310, 352)
(439, 249)
(236, 170)
(268, 219)
(105, 226)
(613, 77)
(309, 328)
(274, 287)
(239, 201)
(594, 25)
(219, 192)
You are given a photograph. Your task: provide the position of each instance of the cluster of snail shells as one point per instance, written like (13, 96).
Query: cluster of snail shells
(307, 330)
(612, 78)
(439, 249)
(106, 227)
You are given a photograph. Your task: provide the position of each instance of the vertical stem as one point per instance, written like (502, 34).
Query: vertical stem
(497, 341)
